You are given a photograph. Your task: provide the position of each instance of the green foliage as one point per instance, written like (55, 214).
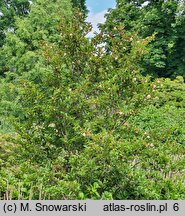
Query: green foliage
(9, 10)
(169, 92)
(80, 4)
(82, 121)
(84, 89)
(20, 52)
(10, 107)
(134, 168)
(165, 19)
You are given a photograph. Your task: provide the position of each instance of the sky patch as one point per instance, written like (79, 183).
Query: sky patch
(97, 10)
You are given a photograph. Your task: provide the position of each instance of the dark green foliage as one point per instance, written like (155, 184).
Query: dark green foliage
(165, 19)
(80, 4)
(9, 11)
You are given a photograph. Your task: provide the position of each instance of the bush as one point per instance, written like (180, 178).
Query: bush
(93, 127)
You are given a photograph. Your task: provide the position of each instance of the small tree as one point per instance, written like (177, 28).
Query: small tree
(83, 88)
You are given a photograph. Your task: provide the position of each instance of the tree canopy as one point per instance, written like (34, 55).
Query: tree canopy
(20, 52)
(163, 18)
(9, 11)
(81, 4)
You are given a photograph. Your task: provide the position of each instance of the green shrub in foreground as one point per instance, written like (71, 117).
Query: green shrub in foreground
(92, 128)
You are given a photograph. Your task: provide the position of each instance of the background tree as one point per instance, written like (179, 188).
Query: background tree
(9, 11)
(26, 34)
(162, 18)
(80, 4)
(20, 57)
(20, 52)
